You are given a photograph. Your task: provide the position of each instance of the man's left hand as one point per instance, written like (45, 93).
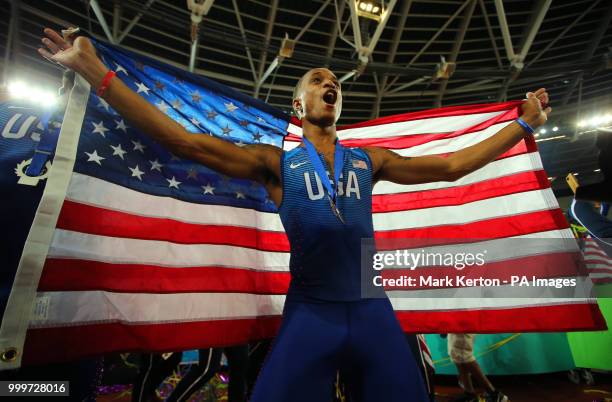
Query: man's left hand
(535, 108)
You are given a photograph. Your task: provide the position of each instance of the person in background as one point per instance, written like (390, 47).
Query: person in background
(153, 370)
(461, 352)
(209, 363)
(593, 216)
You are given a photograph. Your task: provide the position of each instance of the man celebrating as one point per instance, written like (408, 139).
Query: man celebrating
(323, 194)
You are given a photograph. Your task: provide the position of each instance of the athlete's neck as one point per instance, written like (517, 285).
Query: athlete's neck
(322, 138)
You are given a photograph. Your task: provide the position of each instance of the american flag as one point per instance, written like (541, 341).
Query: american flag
(510, 198)
(598, 263)
(150, 252)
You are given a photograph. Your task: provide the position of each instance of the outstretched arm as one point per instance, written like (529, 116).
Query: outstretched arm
(255, 162)
(388, 165)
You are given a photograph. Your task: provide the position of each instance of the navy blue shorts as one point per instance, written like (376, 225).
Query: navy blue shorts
(362, 338)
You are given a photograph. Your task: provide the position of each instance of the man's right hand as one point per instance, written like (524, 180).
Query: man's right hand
(79, 55)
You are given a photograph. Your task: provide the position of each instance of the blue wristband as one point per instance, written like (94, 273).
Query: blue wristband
(525, 126)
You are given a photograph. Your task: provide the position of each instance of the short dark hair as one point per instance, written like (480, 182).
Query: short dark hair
(296, 89)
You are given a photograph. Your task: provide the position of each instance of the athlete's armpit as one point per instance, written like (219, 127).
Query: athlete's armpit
(270, 155)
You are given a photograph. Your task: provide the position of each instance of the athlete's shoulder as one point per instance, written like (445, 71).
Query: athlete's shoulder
(361, 154)
(359, 151)
(292, 154)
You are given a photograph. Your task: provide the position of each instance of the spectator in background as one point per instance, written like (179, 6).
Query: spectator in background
(209, 363)
(461, 352)
(600, 191)
(153, 369)
(592, 216)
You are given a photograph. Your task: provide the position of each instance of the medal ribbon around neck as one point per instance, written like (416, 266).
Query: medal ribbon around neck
(320, 170)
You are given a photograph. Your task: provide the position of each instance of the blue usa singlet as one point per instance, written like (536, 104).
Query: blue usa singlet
(326, 253)
(326, 324)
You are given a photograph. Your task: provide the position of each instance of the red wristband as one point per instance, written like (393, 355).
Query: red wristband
(105, 83)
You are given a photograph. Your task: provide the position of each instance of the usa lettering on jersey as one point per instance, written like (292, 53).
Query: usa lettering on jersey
(352, 186)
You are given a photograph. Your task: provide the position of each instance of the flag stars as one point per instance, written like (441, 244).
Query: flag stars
(160, 85)
(99, 128)
(192, 174)
(177, 104)
(142, 88)
(173, 183)
(226, 130)
(195, 122)
(121, 125)
(120, 69)
(257, 137)
(161, 105)
(244, 123)
(208, 189)
(211, 114)
(240, 195)
(155, 165)
(103, 104)
(118, 151)
(260, 119)
(196, 97)
(94, 157)
(138, 146)
(230, 107)
(136, 172)
(240, 143)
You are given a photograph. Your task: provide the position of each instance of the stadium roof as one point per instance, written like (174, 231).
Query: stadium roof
(561, 45)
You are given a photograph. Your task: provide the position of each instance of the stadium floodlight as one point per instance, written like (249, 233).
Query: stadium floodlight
(38, 96)
(596, 121)
(370, 9)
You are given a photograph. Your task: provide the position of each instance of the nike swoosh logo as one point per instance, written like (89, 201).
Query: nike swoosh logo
(294, 165)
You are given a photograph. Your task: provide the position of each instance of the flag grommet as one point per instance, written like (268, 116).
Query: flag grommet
(9, 355)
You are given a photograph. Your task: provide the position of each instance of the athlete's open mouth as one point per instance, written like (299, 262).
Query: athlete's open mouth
(330, 97)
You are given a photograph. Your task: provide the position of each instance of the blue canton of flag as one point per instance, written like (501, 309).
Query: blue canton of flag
(109, 148)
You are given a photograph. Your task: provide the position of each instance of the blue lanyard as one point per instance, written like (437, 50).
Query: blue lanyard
(46, 146)
(318, 166)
